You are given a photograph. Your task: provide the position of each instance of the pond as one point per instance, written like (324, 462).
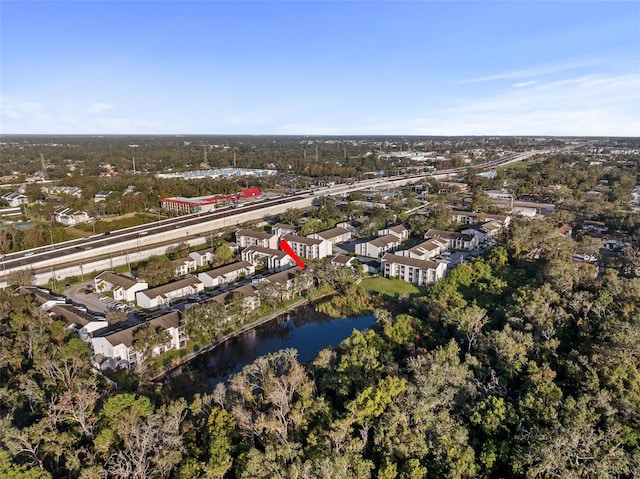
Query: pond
(305, 330)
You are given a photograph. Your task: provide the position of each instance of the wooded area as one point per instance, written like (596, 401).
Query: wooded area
(507, 368)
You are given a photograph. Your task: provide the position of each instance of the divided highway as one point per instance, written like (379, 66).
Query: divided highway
(140, 238)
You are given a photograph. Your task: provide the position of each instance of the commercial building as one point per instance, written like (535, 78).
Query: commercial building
(201, 204)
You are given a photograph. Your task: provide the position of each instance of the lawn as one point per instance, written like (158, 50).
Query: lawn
(389, 287)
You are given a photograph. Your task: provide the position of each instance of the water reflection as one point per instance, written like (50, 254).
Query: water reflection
(308, 332)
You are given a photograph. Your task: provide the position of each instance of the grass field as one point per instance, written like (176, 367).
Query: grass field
(521, 165)
(389, 287)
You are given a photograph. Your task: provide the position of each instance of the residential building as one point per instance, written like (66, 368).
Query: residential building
(184, 266)
(483, 232)
(246, 238)
(73, 191)
(226, 274)
(334, 236)
(309, 248)
(425, 250)
(470, 218)
(248, 293)
(123, 288)
(115, 348)
(15, 199)
(280, 229)
(77, 320)
(565, 230)
(286, 284)
(101, 196)
(202, 257)
(70, 217)
(165, 294)
(42, 297)
(354, 226)
(498, 194)
(343, 260)
(377, 247)
(271, 259)
(399, 231)
(596, 226)
(411, 270)
(458, 241)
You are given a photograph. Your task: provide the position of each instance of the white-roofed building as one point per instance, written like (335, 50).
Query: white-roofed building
(226, 274)
(377, 247)
(123, 288)
(165, 294)
(411, 270)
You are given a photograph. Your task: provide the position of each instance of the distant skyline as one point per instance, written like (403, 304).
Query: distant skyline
(320, 68)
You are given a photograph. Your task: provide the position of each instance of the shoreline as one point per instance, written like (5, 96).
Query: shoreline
(171, 370)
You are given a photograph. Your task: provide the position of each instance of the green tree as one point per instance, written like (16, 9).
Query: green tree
(156, 271)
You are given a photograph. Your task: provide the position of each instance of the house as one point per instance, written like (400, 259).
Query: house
(42, 297)
(425, 250)
(115, 348)
(343, 260)
(399, 231)
(596, 226)
(454, 240)
(483, 232)
(15, 199)
(101, 196)
(309, 248)
(411, 270)
(354, 226)
(202, 257)
(377, 247)
(184, 266)
(565, 230)
(272, 259)
(334, 236)
(470, 218)
(498, 195)
(246, 238)
(226, 274)
(72, 191)
(83, 323)
(69, 217)
(370, 266)
(280, 230)
(124, 288)
(165, 294)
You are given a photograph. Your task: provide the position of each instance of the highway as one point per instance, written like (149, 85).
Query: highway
(177, 229)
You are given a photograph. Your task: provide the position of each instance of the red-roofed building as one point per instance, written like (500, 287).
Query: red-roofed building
(201, 204)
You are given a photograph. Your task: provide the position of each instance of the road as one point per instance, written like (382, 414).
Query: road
(140, 236)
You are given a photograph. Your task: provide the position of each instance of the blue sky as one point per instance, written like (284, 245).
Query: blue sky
(334, 68)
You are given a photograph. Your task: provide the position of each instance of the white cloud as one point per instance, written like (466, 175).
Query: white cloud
(99, 107)
(534, 71)
(525, 83)
(590, 105)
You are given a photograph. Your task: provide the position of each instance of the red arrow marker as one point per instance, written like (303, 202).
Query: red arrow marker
(287, 249)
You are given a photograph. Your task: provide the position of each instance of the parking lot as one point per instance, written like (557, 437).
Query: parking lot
(91, 300)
